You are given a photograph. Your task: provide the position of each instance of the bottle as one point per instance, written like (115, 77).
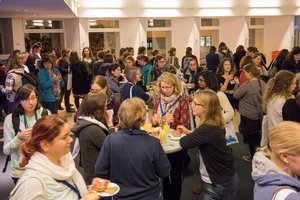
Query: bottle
(166, 127)
(148, 124)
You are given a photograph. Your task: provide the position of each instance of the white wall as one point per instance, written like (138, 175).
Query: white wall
(18, 34)
(130, 33)
(233, 31)
(72, 35)
(83, 33)
(7, 36)
(184, 35)
(278, 34)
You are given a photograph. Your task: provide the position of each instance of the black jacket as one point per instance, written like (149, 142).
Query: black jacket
(217, 157)
(91, 137)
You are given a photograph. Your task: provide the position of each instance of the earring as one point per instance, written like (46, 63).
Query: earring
(286, 167)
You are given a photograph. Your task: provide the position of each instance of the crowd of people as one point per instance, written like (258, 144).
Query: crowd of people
(112, 97)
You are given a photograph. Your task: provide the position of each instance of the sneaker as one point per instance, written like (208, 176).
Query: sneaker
(197, 189)
(247, 158)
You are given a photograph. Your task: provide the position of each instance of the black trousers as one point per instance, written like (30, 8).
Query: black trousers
(172, 184)
(251, 129)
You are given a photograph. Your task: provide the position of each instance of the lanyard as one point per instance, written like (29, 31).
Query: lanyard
(74, 188)
(161, 108)
(25, 121)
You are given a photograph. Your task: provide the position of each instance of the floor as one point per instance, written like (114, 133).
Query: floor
(191, 175)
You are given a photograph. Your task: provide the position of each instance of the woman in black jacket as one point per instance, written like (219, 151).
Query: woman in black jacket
(80, 78)
(216, 161)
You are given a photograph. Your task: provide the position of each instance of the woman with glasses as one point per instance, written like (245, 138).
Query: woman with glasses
(173, 109)
(216, 161)
(27, 112)
(191, 74)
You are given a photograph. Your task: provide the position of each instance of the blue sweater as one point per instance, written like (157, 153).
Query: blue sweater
(135, 161)
(46, 86)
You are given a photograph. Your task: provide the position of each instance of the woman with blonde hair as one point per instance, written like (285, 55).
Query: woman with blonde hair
(131, 157)
(171, 108)
(275, 167)
(279, 89)
(216, 161)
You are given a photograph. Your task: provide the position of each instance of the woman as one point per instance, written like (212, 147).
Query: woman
(212, 59)
(279, 89)
(225, 76)
(241, 73)
(128, 62)
(13, 81)
(47, 76)
(80, 78)
(50, 169)
(275, 167)
(208, 80)
(257, 58)
(249, 95)
(291, 109)
(112, 77)
(191, 74)
(108, 59)
(216, 161)
(99, 84)
(131, 89)
(224, 52)
(173, 59)
(171, 108)
(91, 129)
(131, 157)
(291, 62)
(27, 112)
(157, 69)
(88, 59)
(66, 73)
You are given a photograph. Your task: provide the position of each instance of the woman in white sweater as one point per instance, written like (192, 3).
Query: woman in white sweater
(279, 89)
(50, 171)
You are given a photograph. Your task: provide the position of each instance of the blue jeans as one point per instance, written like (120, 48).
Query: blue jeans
(227, 190)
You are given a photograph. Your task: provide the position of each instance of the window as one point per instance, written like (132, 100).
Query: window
(152, 23)
(256, 33)
(104, 34)
(296, 31)
(257, 21)
(43, 24)
(49, 32)
(205, 41)
(94, 23)
(159, 40)
(209, 22)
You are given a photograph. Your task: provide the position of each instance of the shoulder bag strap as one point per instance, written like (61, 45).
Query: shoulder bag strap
(282, 192)
(74, 188)
(131, 91)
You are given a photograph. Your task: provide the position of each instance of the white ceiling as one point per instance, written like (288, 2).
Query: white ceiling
(145, 8)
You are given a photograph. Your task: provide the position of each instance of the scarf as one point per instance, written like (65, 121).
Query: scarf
(167, 104)
(66, 170)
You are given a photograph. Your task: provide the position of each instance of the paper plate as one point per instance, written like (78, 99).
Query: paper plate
(105, 194)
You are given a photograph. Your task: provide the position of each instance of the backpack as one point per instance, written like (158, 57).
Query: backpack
(28, 78)
(16, 124)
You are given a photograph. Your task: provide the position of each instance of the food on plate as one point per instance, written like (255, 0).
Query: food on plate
(111, 190)
(99, 184)
(91, 196)
(176, 133)
(154, 131)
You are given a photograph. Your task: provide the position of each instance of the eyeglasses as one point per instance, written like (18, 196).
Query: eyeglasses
(161, 61)
(197, 104)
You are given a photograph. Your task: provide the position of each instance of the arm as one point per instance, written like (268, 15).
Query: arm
(45, 80)
(95, 136)
(12, 143)
(161, 162)
(239, 91)
(198, 137)
(228, 112)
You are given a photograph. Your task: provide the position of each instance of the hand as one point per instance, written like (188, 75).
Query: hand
(155, 119)
(236, 79)
(184, 80)
(228, 77)
(192, 85)
(91, 196)
(25, 135)
(109, 119)
(182, 129)
(169, 118)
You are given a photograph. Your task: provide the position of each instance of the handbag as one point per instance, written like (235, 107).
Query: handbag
(264, 131)
(69, 81)
(230, 135)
